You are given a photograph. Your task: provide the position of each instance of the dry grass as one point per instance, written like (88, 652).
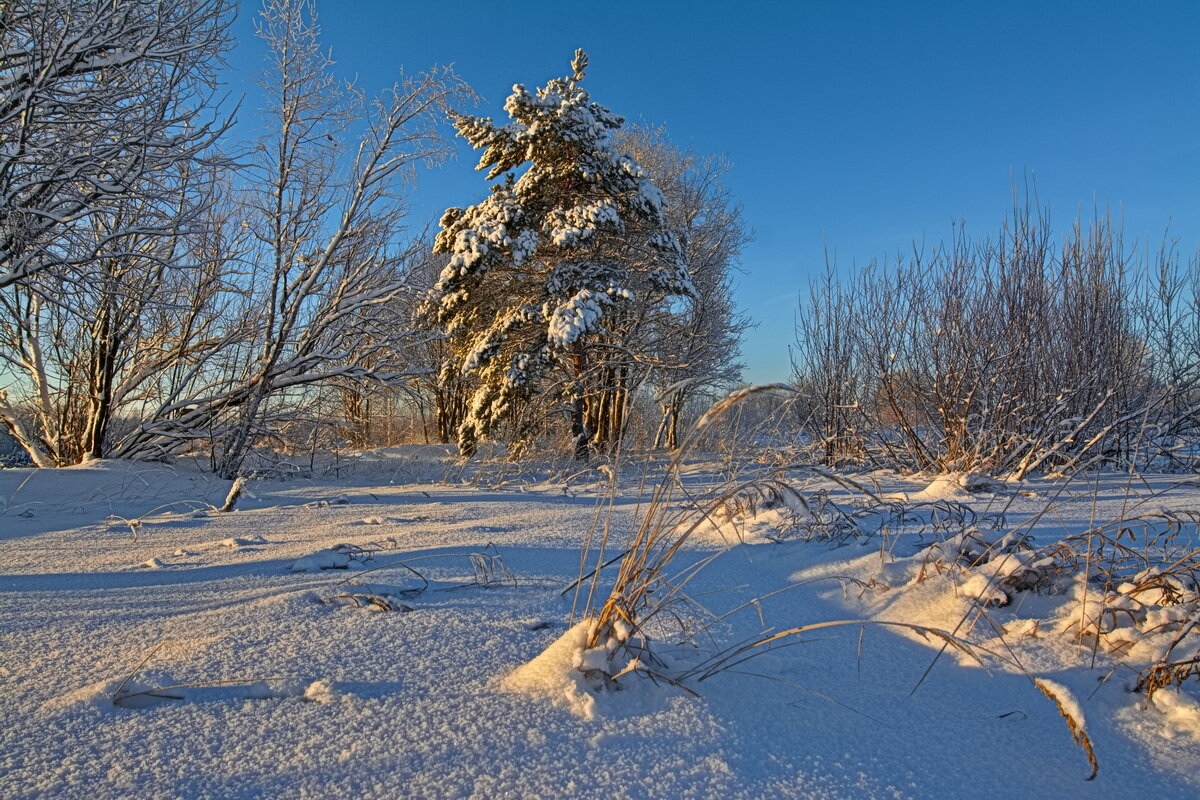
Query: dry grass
(1074, 724)
(123, 697)
(1135, 565)
(364, 599)
(1168, 672)
(643, 588)
(135, 524)
(1128, 554)
(487, 570)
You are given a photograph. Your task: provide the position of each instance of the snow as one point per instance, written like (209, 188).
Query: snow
(577, 317)
(574, 226)
(555, 673)
(1062, 695)
(1181, 712)
(322, 559)
(238, 677)
(943, 487)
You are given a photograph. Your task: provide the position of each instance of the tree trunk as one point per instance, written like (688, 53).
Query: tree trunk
(102, 372)
(579, 427)
(451, 409)
(667, 435)
(606, 408)
(239, 438)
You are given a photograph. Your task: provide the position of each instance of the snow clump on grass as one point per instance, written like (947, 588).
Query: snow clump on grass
(321, 560)
(571, 674)
(553, 673)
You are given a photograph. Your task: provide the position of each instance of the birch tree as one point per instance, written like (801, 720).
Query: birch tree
(91, 353)
(107, 134)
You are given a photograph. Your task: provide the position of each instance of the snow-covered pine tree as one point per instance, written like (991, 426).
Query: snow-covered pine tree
(537, 268)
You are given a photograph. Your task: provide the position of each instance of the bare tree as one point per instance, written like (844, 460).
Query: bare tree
(692, 347)
(87, 352)
(106, 175)
(152, 314)
(99, 101)
(825, 369)
(324, 261)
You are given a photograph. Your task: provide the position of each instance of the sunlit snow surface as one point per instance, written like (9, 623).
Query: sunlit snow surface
(102, 565)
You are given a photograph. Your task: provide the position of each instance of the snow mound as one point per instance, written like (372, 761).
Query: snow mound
(1181, 712)
(235, 542)
(957, 486)
(578, 677)
(758, 515)
(554, 673)
(97, 695)
(942, 487)
(760, 527)
(265, 690)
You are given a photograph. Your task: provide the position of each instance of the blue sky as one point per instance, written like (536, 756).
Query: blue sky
(860, 126)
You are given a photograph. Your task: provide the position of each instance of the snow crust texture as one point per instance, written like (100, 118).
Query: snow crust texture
(238, 676)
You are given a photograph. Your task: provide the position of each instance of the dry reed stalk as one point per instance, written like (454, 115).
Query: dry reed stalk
(1074, 725)
(121, 698)
(637, 594)
(488, 569)
(366, 599)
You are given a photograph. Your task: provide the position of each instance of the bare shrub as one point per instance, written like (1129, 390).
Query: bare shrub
(1006, 354)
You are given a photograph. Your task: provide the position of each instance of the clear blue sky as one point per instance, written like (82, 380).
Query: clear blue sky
(856, 125)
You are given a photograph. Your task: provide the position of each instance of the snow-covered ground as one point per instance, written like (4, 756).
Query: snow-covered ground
(304, 679)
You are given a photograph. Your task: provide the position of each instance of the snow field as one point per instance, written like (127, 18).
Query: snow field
(473, 692)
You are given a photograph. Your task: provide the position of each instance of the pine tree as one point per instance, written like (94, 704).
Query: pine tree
(553, 253)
